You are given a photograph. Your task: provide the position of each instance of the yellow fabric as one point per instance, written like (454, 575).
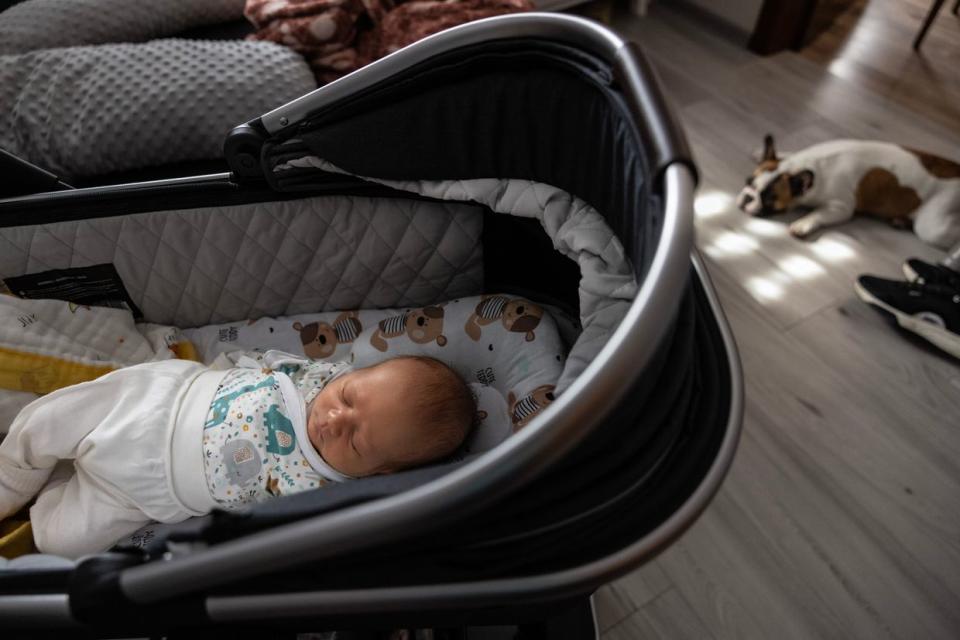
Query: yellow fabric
(22, 371)
(185, 351)
(16, 536)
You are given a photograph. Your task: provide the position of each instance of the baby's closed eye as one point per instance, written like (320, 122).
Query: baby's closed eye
(345, 397)
(353, 444)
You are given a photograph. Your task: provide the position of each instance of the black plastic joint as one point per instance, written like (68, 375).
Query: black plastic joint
(242, 149)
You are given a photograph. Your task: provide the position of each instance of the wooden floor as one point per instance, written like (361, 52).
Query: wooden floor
(870, 44)
(841, 515)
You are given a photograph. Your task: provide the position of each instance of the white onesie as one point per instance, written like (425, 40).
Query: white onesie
(144, 448)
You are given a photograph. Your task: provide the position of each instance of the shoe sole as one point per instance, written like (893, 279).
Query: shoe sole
(909, 273)
(937, 336)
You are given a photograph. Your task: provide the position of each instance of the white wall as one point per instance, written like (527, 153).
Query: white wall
(740, 13)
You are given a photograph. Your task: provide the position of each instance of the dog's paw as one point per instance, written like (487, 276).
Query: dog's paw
(802, 228)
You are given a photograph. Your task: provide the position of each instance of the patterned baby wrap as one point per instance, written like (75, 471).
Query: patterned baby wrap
(250, 447)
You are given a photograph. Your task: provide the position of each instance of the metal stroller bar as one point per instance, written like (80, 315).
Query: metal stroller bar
(99, 191)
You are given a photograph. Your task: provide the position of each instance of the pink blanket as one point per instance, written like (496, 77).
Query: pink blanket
(340, 36)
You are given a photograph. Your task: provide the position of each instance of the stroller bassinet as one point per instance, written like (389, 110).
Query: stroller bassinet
(605, 478)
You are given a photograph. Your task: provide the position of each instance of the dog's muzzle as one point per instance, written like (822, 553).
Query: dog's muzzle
(748, 201)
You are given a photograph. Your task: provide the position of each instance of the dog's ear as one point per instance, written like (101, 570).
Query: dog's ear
(769, 152)
(801, 182)
(757, 155)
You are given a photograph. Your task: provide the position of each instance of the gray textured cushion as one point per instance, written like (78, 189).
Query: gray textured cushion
(48, 24)
(203, 266)
(93, 110)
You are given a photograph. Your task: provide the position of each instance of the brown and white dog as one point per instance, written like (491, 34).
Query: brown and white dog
(909, 189)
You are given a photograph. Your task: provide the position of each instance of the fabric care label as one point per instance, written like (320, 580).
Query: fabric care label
(96, 286)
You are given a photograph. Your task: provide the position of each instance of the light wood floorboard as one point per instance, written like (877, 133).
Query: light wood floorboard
(871, 42)
(839, 518)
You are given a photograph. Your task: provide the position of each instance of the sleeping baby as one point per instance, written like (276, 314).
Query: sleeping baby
(168, 440)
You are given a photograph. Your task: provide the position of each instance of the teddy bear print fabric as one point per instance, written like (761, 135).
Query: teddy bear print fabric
(516, 315)
(523, 410)
(320, 339)
(420, 326)
(250, 446)
(504, 343)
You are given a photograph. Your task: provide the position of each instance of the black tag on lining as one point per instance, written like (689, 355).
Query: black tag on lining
(96, 286)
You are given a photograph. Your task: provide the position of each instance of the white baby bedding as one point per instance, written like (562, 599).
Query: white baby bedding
(506, 347)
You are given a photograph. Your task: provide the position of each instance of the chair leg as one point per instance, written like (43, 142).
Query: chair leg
(934, 10)
(956, 7)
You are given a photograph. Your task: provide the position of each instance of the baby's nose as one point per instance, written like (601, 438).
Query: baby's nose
(334, 421)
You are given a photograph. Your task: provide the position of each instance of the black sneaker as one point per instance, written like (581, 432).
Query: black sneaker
(916, 270)
(928, 310)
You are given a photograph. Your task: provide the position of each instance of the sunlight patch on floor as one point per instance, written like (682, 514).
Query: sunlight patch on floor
(833, 250)
(734, 243)
(765, 288)
(712, 203)
(758, 242)
(765, 228)
(801, 267)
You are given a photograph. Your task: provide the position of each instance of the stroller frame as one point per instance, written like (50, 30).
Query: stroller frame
(162, 584)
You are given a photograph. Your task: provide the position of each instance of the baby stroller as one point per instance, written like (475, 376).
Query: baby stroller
(606, 477)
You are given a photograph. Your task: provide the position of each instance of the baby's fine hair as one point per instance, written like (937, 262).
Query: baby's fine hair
(447, 406)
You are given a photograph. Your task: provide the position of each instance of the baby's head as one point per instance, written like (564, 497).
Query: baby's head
(392, 416)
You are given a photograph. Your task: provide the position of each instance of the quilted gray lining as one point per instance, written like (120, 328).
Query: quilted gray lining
(203, 266)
